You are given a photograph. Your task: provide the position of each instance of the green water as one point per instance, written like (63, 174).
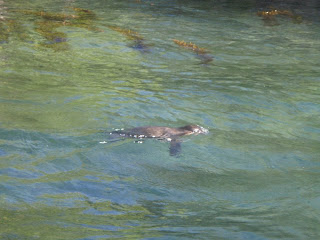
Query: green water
(255, 176)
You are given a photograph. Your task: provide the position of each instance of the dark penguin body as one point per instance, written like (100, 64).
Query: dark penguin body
(171, 135)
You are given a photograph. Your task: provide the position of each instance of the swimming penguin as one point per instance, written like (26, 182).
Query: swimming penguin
(171, 135)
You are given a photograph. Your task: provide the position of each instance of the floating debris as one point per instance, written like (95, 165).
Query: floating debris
(132, 35)
(269, 16)
(12, 28)
(4, 34)
(54, 39)
(47, 26)
(202, 53)
(49, 16)
(85, 14)
(190, 46)
(138, 40)
(16, 28)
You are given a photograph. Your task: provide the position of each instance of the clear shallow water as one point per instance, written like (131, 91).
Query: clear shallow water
(255, 176)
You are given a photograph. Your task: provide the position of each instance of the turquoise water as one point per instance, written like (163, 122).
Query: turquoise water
(64, 84)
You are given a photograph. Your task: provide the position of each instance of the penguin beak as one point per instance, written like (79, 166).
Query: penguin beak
(204, 130)
(201, 130)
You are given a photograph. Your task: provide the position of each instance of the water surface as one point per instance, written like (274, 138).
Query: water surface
(64, 84)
